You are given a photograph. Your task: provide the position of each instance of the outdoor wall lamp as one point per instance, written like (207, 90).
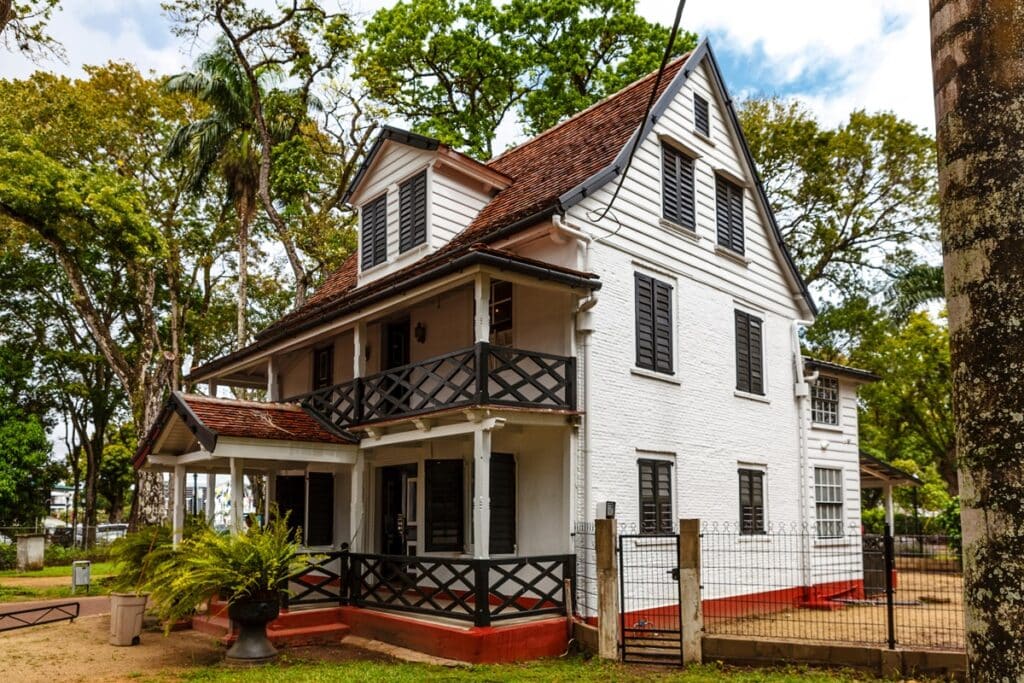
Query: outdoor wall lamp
(420, 332)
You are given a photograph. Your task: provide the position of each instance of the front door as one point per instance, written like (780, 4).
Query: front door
(397, 508)
(396, 354)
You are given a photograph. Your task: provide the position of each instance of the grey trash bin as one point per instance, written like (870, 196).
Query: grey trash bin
(126, 610)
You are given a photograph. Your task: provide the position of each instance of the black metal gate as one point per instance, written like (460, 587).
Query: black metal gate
(650, 625)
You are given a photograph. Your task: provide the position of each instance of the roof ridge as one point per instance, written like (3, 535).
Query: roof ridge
(604, 100)
(239, 402)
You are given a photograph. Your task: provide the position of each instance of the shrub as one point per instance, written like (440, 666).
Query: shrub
(254, 565)
(58, 556)
(8, 556)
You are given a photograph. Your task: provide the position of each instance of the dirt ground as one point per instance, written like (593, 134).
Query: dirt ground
(928, 614)
(79, 652)
(36, 581)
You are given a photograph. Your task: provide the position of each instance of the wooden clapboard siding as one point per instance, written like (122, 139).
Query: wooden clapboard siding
(454, 205)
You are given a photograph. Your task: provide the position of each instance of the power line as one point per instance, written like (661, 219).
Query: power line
(647, 111)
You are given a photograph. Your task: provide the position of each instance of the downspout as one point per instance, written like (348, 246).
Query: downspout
(802, 392)
(584, 329)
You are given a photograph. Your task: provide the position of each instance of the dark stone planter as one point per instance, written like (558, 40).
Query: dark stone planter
(252, 617)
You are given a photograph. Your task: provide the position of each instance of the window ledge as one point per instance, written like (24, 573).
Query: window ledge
(827, 427)
(752, 397)
(833, 543)
(705, 138)
(732, 255)
(679, 229)
(650, 374)
(411, 251)
(753, 538)
(654, 542)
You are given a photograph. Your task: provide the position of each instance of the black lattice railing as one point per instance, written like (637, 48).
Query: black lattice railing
(320, 581)
(480, 591)
(36, 616)
(482, 374)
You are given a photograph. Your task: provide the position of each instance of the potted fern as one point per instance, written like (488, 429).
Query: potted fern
(249, 569)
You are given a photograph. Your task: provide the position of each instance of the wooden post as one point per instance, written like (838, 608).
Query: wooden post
(607, 589)
(178, 505)
(482, 494)
(690, 608)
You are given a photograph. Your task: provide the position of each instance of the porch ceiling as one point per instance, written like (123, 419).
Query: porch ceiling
(876, 474)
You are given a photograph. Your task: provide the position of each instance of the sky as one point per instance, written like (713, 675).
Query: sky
(833, 55)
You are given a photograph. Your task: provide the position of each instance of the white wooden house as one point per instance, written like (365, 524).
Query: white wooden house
(504, 353)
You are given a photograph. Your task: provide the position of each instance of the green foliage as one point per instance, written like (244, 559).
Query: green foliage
(8, 556)
(59, 556)
(255, 564)
(873, 519)
(24, 27)
(138, 556)
(949, 521)
(854, 202)
(456, 68)
(25, 477)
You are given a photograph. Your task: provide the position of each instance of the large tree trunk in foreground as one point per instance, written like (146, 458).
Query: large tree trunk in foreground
(978, 62)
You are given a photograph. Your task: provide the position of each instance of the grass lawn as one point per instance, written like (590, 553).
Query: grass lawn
(554, 670)
(98, 569)
(24, 593)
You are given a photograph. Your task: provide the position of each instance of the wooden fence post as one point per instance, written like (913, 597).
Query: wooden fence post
(607, 589)
(690, 607)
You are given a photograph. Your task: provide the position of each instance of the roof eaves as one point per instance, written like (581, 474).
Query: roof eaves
(399, 135)
(759, 185)
(839, 368)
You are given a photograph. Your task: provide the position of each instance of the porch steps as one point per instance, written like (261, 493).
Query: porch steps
(301, 627)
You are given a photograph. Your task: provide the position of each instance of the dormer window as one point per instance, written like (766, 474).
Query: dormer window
(701, 116)
(374, 233)
(412, 212)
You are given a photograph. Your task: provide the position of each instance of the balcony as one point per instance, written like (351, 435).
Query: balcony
(483, 374)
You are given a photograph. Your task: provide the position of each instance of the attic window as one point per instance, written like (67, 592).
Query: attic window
(412, 212)
(701, 118)
(374, 232)
(729, 214)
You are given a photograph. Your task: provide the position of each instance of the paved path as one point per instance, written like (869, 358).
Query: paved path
(88, 606)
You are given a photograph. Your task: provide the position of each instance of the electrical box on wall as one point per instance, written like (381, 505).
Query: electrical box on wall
(605, 510)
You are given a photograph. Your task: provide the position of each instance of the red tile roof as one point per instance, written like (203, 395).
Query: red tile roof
(210, 418)
(541, 169)
(253, 420)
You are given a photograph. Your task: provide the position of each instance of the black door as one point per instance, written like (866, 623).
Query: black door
(396, 354)
(395, 508)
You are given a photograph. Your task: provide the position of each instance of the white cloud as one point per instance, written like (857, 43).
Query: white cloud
(874, 54)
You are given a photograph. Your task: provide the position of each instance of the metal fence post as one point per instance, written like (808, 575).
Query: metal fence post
(690, 609)
(607, 589)
(888, 551)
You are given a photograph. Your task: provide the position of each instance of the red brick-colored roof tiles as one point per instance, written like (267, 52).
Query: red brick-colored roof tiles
(252, 420)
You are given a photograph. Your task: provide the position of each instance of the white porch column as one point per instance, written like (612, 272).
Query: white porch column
(237, 522)
(359, 350)
(273, 388)
(211, 490)
(482, 494)
(482, 308)
(178, 507)
(270, 494)
(356, 504)
(890, 515)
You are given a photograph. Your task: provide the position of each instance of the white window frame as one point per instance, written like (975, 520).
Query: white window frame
(829, 511)
(821, 402)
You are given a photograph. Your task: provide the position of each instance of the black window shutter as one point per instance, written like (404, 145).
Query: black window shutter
(503, 503)
(645, 322)
(756, 359)
(412, 212)
(742, 352)
(655, 496)
(751, 501)
(662, 327)
(374, 232)
(290, 493)
(677, 188)
(701, 117)
(729, 214)
(443, 509)
(323, 367)
(320, 527)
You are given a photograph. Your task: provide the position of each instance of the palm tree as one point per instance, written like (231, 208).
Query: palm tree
(919, 285)
(225, 142)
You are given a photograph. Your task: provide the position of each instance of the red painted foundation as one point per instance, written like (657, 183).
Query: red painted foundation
(477, 645)
(820, 596)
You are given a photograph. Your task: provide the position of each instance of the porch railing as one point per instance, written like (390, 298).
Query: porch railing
(481, 374)
(479, 591)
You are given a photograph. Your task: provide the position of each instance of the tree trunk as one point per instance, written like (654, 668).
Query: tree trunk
(978, 69)
(243, 282)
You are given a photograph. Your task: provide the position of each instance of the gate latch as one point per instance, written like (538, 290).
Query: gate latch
(674, 572)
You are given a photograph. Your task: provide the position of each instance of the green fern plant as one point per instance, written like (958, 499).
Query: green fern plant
(253, 565)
